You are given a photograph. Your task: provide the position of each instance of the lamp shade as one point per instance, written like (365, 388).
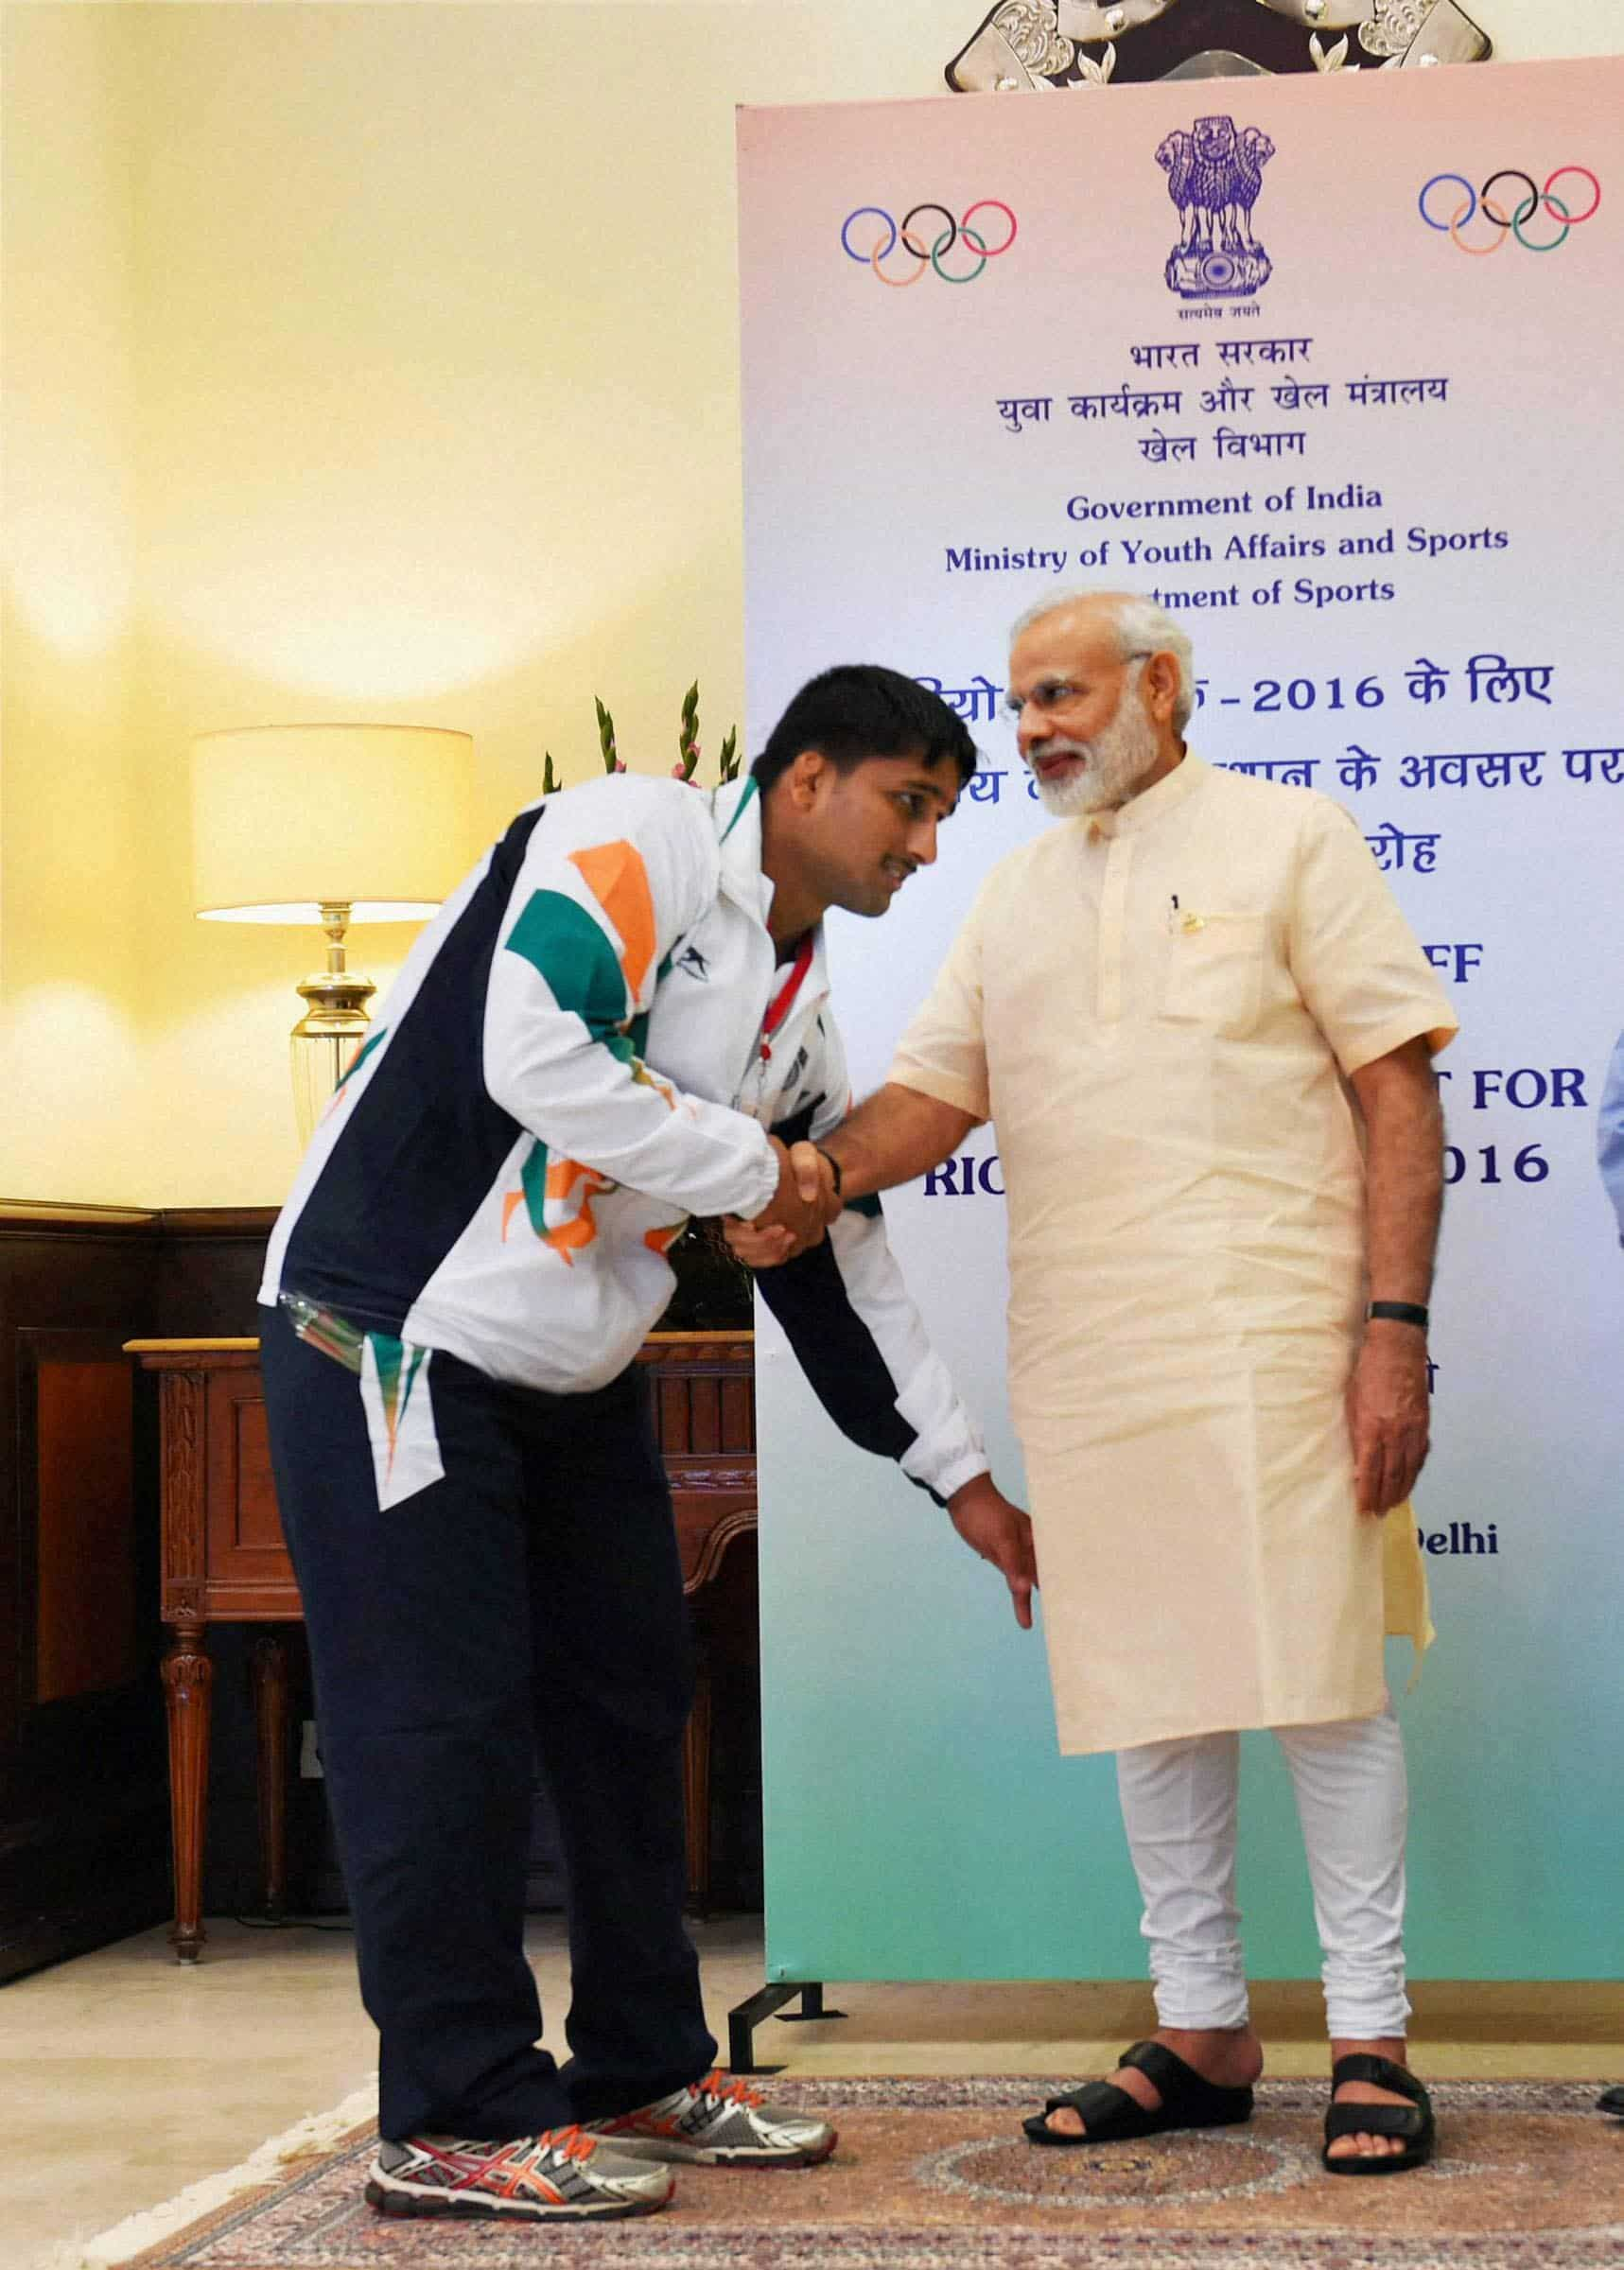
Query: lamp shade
(286, 819)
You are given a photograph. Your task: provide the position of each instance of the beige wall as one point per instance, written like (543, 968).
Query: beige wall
(71, 1064)
(362, 362)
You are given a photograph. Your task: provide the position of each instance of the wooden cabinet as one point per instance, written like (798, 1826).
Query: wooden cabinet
(81, 1746)
(224, 1561)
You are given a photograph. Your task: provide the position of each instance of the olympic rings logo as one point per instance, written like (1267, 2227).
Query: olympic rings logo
(927, 252)
(1507, 225)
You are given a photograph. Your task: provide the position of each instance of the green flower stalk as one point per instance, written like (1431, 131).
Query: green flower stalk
(687, 735)
(606, 738)
(687, 742)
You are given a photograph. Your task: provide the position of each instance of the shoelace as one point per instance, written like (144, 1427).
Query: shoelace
(715, 2084)
(569, 2144)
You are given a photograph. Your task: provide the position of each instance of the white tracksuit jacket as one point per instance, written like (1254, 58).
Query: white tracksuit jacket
(571, 1064)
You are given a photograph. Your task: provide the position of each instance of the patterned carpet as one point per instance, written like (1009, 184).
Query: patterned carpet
(935, 2174)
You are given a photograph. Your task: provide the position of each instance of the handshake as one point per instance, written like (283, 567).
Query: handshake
(803, 1206)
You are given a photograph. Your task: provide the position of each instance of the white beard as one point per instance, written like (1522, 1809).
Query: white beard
(1117, 759)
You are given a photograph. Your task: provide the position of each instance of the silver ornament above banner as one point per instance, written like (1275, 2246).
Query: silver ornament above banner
(1042, 44)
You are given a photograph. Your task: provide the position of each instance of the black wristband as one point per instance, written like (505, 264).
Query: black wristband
(1397, 1312)
(833, 1165)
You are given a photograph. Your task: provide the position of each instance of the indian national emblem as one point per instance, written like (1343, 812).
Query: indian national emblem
(1214, 177)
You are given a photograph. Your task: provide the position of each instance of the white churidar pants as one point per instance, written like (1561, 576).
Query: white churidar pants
(1178, 1805)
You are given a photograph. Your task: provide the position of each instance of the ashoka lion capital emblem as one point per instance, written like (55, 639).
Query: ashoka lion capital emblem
(1214, 177)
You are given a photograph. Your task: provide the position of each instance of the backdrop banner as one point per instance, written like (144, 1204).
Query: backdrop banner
(1330, 367)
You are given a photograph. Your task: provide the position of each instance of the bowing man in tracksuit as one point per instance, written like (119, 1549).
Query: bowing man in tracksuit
(619, 1019)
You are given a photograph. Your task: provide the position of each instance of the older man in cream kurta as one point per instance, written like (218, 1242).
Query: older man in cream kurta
(1191, 1011)
(1158, 1006)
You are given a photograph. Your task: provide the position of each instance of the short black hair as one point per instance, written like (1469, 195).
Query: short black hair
(862, 710)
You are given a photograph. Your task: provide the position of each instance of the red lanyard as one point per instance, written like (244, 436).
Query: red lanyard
(781, 1006)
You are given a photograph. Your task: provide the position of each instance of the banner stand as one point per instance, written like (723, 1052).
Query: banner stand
(745, 2017)
(1327, 367)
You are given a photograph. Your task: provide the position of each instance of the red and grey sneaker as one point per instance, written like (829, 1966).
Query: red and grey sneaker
(561, 2175)
(719, 2121)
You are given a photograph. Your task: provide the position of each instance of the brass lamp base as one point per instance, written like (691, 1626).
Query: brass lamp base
(335, 1024)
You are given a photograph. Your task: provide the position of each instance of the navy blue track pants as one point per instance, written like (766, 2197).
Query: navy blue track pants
(527, 1604)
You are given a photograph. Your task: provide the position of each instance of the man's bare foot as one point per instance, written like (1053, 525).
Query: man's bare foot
(1366, 2093)
(1231, 2057)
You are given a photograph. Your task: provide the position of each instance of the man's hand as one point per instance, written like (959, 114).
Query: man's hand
(999, 1532)
(803, 1206)
(1387, 1403)
(897, 1134)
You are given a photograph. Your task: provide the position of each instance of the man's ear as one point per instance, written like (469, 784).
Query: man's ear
(806, 778)
(1159, 680)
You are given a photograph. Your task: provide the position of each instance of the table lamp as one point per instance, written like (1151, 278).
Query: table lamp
(330, 824)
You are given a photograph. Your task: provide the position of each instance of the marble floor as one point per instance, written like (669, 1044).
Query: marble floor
(125, 2076)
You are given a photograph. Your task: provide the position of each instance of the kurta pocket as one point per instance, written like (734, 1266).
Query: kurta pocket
(1214, 972)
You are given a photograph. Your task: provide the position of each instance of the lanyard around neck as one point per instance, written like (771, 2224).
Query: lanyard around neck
(783, 1001)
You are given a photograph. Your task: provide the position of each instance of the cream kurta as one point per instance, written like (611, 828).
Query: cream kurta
(1157, 1009)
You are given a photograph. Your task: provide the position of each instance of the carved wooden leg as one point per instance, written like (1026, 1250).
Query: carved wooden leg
(269, 1673)
(696, 1789)
(188, 1677)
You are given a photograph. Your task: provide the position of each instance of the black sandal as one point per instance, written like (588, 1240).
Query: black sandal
(1612, 2100)
(1413, 2121)
(1111, 2114)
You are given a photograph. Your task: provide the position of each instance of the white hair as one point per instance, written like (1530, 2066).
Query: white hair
(1139, 626)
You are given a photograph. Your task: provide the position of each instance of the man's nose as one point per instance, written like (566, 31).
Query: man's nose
(1032, 726)
(923, 841)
